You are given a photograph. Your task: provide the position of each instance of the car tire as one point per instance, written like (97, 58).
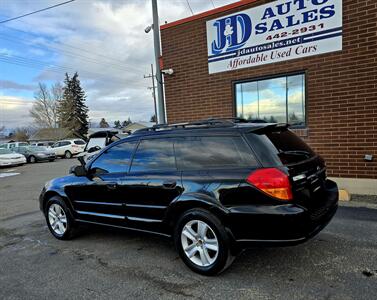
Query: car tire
(59, 218)
(67, 154)
(32, 159)
(207, 253)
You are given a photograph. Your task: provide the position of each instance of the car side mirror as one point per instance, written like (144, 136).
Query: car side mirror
(79, 171)
(94, 149)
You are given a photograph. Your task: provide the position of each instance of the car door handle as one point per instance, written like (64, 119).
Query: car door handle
(111, 186)
(169, 184)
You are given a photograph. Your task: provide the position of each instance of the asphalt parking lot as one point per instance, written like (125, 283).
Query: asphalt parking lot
(340, 263)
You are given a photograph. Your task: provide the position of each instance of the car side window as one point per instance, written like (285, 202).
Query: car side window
(114, 160)
(213, 152)
(154, 154)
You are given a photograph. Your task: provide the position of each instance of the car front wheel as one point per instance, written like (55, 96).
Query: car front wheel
(67, 154)
(202, 242)
(32, 159)
(58, 218)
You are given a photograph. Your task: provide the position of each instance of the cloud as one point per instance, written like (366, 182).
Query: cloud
(6, 52)
(104, 41)
(11, 85)
(14, 111)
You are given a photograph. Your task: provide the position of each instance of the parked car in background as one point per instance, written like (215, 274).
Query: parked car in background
(99, 140)
(13, 145)
(9, 158)
(43, 144)
(36, 153)
(216, 187)
(69, 148)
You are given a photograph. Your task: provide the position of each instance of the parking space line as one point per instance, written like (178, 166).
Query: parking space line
(2, 175)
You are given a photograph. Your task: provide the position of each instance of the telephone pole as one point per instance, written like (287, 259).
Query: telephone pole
(157, 53)
(153, 88)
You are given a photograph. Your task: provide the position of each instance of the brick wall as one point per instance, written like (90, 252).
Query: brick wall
(341, 87)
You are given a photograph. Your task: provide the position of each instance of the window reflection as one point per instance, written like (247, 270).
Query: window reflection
(154, 155)
(116, 159)
(213, 152)
(276, 100)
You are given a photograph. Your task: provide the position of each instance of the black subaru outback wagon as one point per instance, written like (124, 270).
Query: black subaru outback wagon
(216, 187)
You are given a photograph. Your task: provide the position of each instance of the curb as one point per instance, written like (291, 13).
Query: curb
(344, 195)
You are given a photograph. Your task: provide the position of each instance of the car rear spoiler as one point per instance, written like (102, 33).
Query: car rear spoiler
(270, 128)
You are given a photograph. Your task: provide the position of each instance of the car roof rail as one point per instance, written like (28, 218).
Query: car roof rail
(206, 123)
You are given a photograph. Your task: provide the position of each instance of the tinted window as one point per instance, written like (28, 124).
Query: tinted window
(79, 142)
(213, 152)
(66, 143)
(283, 144)
(154, 155)
(116, 159)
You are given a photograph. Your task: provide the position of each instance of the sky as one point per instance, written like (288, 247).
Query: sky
(103, 40)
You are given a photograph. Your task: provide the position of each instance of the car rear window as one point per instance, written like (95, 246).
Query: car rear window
(207, 152)
(283, 144)
(79, 142)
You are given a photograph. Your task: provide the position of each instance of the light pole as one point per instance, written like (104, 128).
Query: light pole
(157, 53)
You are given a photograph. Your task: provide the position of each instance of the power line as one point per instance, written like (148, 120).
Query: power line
(189, 6)
(36, 64)
(82, 50)
(37, 11)
(20, 40)
(213, 4)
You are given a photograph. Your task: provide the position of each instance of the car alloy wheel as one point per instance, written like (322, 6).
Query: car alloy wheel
(57, 219)
(32, 159)
(68, 154)
(199, 243)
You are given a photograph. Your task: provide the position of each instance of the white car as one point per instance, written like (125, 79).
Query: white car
(9, 158)
(13, 145)
(68, 148)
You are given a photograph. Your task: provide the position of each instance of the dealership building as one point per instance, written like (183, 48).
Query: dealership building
(311, 63)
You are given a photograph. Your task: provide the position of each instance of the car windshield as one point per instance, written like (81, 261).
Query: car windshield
(5, 151)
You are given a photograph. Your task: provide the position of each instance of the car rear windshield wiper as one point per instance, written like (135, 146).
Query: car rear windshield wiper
(296, 152)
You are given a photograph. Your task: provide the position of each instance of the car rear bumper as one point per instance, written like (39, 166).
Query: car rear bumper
(280, 225)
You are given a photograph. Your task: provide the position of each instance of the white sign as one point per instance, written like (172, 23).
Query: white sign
(277, 31)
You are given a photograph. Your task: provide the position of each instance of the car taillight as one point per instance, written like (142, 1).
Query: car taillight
(273, 182)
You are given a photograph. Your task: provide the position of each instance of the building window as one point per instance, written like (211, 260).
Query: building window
(275, 100)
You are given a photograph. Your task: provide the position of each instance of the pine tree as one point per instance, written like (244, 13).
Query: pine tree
(66, 105)
(117, 124)
(81, 110)
(103, 123)
(72, 111)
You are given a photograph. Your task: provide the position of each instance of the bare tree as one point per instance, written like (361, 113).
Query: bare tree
(44, 109)
(21, 134)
